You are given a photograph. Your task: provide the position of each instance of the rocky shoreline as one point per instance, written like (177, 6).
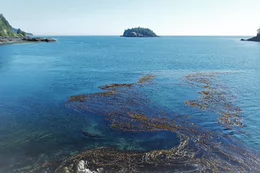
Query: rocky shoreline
(17, 40)
(256, 38)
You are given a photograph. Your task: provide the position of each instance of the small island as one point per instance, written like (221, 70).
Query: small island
(139, 32)
(256, 38)
(10, 35)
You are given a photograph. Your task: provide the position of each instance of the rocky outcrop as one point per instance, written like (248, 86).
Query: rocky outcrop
(82, 167)
(139, 32)
(256, 38)
(29, 39)
(16, 40)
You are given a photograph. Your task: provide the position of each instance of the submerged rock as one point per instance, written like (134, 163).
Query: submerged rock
(86, 134)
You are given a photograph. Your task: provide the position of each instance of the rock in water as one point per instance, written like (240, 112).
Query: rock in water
(82, 167)
(66, 170)
(256, 38)
(100, 170)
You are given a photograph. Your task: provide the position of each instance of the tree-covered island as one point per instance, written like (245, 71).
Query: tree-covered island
(139, 32)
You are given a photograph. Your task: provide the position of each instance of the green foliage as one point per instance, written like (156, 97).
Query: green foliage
(21, 33)
(139, 32)
(6, 29)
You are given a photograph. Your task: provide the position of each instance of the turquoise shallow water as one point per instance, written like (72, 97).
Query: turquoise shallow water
(38, 79)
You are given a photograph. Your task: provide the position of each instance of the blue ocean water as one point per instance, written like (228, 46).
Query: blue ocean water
(38, 79)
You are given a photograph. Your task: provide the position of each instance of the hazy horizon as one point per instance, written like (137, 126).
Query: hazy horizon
(111, 18)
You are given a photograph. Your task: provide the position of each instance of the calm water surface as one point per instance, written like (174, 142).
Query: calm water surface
(37, 80)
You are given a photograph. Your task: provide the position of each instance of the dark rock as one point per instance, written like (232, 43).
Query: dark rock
(15, 39)
(37, 39)
(256, 38)
(86, 134)
(34, 39)
(50, 40)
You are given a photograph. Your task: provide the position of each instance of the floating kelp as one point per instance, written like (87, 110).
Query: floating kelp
(114, 86)
(187, 157)
(128, 109)
(215, 98)
(82, 98)
(146, 79)
(143, 80)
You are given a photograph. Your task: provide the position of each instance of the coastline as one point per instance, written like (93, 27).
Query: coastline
(13, 42)
(256, 38)
(23, 40)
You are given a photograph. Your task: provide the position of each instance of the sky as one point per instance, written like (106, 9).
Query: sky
(112, 17)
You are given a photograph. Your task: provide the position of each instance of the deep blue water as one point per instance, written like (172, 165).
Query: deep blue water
(38, 79)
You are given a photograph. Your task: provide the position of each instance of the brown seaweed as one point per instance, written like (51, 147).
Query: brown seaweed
(215, 98)
(114, 86)
(143, 80)
(129, 109)
(146, 79)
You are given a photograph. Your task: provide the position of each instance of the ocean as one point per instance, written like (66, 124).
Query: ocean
(211, 83)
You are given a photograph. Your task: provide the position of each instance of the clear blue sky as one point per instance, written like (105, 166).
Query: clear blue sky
(111, 17)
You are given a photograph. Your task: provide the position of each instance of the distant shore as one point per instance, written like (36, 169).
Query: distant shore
(20, 40)
(2, 43)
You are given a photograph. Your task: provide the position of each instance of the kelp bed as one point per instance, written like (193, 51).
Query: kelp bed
(215, 98)
(127, 108)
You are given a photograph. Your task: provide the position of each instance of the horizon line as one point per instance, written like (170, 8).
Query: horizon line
(151, 37)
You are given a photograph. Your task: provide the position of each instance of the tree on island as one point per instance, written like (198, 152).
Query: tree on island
(139, 32)
(258, 31)
(21, 33)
